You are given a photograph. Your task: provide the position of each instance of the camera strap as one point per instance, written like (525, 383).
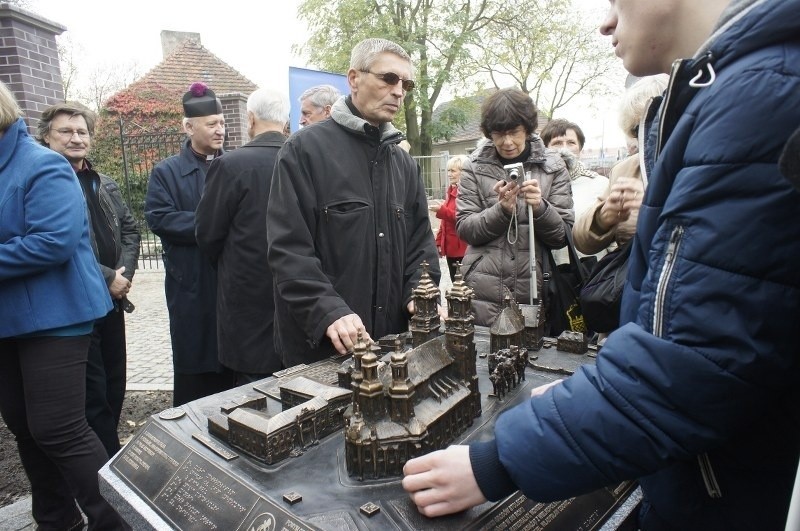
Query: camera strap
(513, 227)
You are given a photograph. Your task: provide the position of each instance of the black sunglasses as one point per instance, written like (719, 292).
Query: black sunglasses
(391, 78)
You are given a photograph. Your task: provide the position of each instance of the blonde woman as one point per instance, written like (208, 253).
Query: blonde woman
(611, 220)
(448, 243)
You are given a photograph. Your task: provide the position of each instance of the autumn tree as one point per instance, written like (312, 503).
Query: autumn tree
(550, 49)
(436, 35)
(91, 85)
(150, 112)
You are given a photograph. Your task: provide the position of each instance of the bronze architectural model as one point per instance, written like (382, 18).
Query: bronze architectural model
(517, 325)
(415, 401)
(507, 369)
(411, 399)
(407, 395)
(311, 411)
(575, 342)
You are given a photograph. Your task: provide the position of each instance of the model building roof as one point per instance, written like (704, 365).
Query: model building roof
(423, 361)
(263, 423)
(308, 387)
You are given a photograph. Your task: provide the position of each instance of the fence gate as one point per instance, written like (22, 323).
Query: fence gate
(142, 149)
(433, 169)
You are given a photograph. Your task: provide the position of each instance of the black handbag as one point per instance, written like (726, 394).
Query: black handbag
(561, 286)
(602, 294)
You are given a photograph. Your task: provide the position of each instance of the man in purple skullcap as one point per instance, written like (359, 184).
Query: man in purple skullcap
(173, 193)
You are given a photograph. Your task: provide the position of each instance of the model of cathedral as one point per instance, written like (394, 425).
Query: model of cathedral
(413, 401)
(415, 397)
(516, 325)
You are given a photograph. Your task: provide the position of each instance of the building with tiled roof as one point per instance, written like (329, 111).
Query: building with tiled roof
(190, 61)
(155, 98)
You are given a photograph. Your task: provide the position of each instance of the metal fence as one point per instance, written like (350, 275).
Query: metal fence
(143, 149)
(434, 173)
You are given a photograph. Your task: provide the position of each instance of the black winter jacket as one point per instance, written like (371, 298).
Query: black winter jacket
(123, 226)
(231, 229)
(174, 190)
(348, 227)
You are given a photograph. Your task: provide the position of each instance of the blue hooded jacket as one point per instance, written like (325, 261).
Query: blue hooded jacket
(697, 395)
(49, 277)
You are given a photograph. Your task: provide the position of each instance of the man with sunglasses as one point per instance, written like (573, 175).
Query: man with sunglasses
(347, 221)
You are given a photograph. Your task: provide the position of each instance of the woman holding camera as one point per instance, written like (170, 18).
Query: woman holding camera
(492, 207)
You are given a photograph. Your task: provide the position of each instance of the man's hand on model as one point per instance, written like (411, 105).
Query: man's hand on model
(343, 332)
(442, 482)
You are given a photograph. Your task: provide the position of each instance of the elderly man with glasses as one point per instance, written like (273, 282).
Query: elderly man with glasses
(347, 221)
(67, 128)
(316, 104)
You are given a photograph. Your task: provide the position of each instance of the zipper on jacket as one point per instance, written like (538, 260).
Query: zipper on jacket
(668, 95)
(704, 76)
(640, 137)
(325, 211)
(664, 278)
(111, 222)
(472, 267)
(709, 478)
(706, 470)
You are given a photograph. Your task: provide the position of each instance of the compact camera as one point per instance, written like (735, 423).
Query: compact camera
(514, 172)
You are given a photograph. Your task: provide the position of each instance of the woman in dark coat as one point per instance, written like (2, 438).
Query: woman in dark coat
(492, 213)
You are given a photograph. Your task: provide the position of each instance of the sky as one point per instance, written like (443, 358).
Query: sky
(254, 37)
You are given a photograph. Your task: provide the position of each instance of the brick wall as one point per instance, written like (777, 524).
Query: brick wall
(29, 63)
(234, 107)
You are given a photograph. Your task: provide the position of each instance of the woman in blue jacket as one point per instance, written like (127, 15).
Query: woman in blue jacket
(51, 291)
(696, 394)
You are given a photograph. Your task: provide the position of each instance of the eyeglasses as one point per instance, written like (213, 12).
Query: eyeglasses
(69, 133)
(390, 78)
(500, 136)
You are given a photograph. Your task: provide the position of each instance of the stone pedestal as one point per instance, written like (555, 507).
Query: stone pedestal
(174, 474)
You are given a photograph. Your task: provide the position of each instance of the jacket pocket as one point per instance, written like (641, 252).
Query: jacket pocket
(468, 266)
(348, 221)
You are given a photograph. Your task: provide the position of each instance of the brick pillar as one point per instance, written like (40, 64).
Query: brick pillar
(234, 107)
(29, 63)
